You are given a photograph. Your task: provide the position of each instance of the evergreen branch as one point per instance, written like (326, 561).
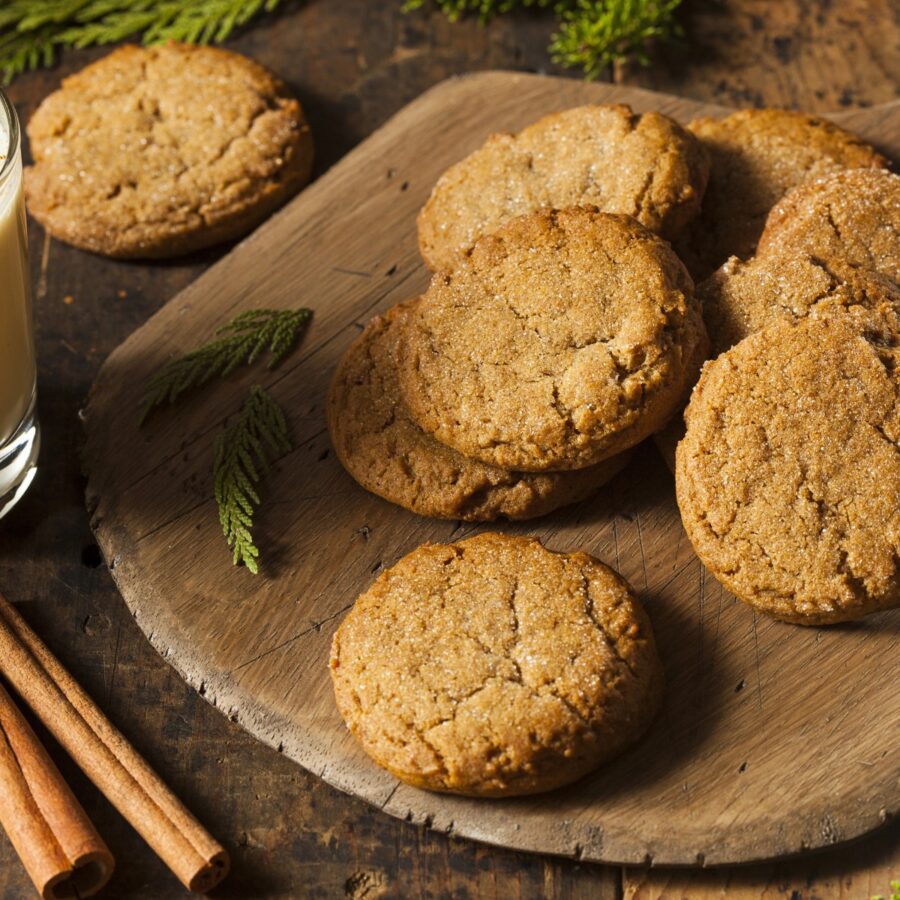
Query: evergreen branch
(593, 34)
(240, 342)
(597, 33)
(486, 9)
(32, 30)
(243, 453)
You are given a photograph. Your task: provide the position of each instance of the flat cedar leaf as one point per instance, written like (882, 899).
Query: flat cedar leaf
(241, 452)
(239, 342)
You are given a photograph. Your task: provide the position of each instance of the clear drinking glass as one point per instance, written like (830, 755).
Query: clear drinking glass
(19, 432)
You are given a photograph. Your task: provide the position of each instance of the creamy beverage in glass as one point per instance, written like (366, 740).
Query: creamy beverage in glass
(19, 436)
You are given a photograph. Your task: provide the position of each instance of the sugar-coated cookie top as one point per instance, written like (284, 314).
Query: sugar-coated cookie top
(388, 454)
(646, 166)
(162, 150)
(756, 156)
(560, 340)
(495, 667)
(833, 240)
(788, 478)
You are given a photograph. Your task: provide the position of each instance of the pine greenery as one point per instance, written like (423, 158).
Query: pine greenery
(242, 454)
(593, 34)
(895, 892)
(31, 31)
(239, 342)
(244, 451)
(486, 9)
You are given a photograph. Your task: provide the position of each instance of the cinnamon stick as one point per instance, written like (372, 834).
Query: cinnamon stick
(59, 847)
(107, 758)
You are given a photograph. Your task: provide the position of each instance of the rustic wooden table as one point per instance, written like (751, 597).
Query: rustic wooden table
(354, 63)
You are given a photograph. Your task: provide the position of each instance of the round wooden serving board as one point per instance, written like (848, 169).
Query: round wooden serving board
(773, 739)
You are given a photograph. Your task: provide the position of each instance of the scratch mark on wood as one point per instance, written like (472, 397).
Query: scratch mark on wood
(66, 585)
(678, 574)
(756, 650)
(616, 542)
(700, 665)
(41, 290)
(115, 663)
(390, 796)
(177, 517)
(316, 626)
(640, 534)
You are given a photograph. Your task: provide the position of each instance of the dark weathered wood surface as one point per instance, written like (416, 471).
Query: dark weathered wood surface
(354, 62)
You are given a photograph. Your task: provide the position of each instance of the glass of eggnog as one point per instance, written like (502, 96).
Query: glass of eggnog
(19, 433)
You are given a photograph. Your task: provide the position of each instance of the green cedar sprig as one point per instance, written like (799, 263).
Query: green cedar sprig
(242, 454)
(31, 31)
(240, 342)
(486, 9)
(593, 34)
(244, 451)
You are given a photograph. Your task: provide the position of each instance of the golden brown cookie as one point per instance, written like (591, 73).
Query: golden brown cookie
(559, 341)
(646, 166)
(850, 218)
(380, 446)
(788, 478)
(494, 667)
(159, 151)
(756, 156)
(743, 297)
(831, 240)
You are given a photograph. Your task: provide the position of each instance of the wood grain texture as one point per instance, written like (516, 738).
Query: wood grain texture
(759, 716)
(862, 871)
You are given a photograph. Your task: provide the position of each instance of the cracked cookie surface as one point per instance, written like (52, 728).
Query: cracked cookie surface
(495, 667)
(850, 217)
(788, 478)
(562, 339)
(646, 166)
(383, 450)
(835, 241)
(756, 156)
(154, 152)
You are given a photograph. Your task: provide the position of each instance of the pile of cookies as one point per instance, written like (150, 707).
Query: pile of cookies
(554, 336)
(559, 330)
(788, 477)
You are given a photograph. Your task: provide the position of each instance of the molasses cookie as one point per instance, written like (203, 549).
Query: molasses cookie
(646, 166)
(788, 478)
(159, 151)
(388, 454)
(559, 341)
(833, 240)
(494, 667)
(756, 156)
(850, 218)
(743, 297)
